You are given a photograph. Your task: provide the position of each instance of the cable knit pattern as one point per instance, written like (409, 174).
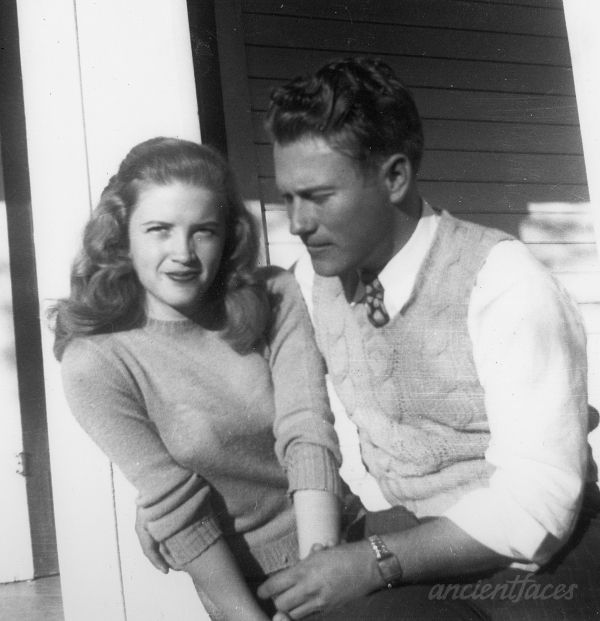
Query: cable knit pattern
(411, 386)
(207, 435)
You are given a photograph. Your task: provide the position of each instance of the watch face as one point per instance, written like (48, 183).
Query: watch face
(387, 563)
(390, 568)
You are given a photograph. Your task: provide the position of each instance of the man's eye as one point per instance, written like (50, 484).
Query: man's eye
(157, 228)
(320, 199)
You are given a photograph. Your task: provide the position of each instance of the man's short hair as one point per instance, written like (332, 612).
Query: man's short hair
(357, 105)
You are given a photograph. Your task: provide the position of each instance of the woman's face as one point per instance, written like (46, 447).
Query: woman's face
(176, 239)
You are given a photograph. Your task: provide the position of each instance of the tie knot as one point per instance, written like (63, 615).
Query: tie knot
(371, 282)
(376, 311)
(367, 277)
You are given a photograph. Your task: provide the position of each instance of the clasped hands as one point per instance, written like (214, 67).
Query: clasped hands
(327, 578)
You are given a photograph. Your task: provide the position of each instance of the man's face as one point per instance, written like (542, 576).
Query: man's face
(343, 215)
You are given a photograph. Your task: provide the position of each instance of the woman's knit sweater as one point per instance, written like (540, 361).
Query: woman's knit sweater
(214, 441)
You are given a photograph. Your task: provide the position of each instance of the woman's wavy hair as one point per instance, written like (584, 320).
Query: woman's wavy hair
(357, 105)
(106, 295)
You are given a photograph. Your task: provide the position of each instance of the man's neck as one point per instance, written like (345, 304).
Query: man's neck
(405, 223)
(407, 217)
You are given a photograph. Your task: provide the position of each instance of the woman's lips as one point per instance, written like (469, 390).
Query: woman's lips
(183, 276)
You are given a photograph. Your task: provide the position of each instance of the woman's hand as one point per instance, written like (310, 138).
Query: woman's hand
(149, 546)
(325, 579)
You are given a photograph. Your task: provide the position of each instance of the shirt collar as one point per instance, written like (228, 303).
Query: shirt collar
(399, 275)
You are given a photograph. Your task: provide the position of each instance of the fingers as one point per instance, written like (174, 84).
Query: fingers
(151, 549)
(303, 611)
(277, 583)
(281, 616)
(317, 547)
(156, 558)
(289, 595)
(299, 600)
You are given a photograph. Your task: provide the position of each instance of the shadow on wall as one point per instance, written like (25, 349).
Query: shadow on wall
(7, 340)
(561, 235)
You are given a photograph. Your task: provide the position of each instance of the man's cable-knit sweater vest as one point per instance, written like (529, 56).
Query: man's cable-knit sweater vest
(411, 387)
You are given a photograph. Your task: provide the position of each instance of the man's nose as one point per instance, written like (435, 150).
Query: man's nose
(302, 217)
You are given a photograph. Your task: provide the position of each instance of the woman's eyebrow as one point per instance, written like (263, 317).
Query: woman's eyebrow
(154, 222)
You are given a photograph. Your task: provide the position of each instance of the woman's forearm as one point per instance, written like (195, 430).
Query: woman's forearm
(317, 518)
(216, 575)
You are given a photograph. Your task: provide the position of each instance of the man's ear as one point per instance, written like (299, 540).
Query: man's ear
(397, 174)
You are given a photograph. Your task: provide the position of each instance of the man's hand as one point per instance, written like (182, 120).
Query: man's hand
(150, 547)
(327, 578)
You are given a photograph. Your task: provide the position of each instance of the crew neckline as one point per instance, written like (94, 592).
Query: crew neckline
(171, 326)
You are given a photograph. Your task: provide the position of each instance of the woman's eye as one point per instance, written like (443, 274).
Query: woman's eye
(205, 233)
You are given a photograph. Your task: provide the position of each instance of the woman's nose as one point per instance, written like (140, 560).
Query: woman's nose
(183, 248)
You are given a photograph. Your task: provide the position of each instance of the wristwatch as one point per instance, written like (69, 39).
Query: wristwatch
(387, 563)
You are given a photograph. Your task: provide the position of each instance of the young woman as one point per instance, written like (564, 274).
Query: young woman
(197, 374)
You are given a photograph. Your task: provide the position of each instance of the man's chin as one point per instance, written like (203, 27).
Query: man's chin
(324, 267)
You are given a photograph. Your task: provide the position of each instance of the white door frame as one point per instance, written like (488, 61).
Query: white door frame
(98, 77)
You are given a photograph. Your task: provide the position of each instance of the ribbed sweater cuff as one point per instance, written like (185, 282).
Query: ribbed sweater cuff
(310, 466)
(191, 542)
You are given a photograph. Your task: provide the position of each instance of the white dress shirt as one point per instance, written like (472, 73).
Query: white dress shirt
(529, 352)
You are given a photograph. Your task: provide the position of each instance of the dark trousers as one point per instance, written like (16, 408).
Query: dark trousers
(568, 589)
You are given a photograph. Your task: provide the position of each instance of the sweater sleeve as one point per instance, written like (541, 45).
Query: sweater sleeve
(106, 402)
(306, 443)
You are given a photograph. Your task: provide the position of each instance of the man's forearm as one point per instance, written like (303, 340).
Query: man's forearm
(439, 549)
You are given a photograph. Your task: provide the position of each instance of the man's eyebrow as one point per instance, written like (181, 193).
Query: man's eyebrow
(309, 189)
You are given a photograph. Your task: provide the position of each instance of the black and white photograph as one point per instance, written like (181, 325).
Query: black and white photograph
(299, 310)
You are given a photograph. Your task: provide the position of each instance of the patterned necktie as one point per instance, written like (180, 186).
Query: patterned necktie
(376, 312)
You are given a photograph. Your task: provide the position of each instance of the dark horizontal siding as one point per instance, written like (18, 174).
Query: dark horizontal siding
(474, 106)
(457, 14)
(482, 167)
(494, 85)
(304, 33)
(482, 136)
(555, 5)
(275, 65)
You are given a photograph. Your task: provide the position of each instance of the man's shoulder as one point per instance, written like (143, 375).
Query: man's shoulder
(513, 277)
(305, 275)
(459, 225)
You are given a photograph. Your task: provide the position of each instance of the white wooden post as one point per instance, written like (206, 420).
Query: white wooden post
(98, 77)
(582, 18)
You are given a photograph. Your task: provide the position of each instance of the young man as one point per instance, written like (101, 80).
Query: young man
(458, 359)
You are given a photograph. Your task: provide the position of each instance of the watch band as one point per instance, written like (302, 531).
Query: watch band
(388, 564)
